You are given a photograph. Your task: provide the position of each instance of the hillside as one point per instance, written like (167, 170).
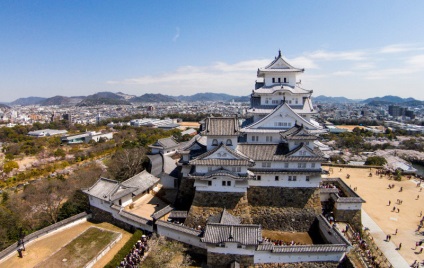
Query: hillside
(208, 96)
(154, 98)
(27, 101)
(326, 99)
(59, 100)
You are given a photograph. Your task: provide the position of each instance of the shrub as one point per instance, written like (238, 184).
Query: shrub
(123, 252)
(9, 166)
(376, 161)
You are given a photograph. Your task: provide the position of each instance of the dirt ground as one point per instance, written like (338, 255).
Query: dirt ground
(374, 190)
(302, 238)
(39, 250)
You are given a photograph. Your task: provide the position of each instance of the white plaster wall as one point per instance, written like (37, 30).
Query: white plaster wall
(290, 78)
(348, 206)
(231, 248)
(167, 181)
(324, 197)
(180, 236)
(269, 180)
(205, 169)
(269, 257)
(220, 139)
(98, 203)
(217, 186)
(276, 138)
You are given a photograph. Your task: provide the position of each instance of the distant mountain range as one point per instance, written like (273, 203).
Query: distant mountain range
(386, 100)
(119, 98)
(110, 98)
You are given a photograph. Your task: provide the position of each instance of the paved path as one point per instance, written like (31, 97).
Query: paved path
(388, 248)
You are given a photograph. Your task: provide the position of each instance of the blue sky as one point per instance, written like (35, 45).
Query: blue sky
(357, 49)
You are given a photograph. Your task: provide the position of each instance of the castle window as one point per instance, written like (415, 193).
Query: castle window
(209, 169)
(223, 183)
(301, 165)
(285, 80)
(286, 165)
(273, 80)
(215, 142)
(229, 142)
(312, 165)
(209, 183)
(290, 178)
(236, 169)
(268, 138)
(255, 138)
(258, 178)
(266, 164)
(307, 178)
(294, 178)
(228, 183)
(276, 178)
(279, 80)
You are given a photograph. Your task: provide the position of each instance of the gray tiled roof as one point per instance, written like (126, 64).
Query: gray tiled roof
(134, 217)
(168, 142)
(103, 188)
(178, 214)
(224, 218)
(285, 171)
(221, 162)
(221, 126)
(142, 181)
(219, 172)
(160, 213)
(236, 154)
(275, 152)
(304, 248)
(179, 227)
(156, 161)
(245, 234)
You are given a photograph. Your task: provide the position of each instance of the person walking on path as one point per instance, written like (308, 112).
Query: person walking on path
(400, 246)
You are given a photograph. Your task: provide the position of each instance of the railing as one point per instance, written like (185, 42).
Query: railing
(44, 231)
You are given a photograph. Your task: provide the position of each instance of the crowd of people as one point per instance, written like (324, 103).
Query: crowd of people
(135, 256)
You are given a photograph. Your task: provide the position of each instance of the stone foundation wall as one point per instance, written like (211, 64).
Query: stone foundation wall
(99, 215)
(185, 194)
(284, 209)
(224, 260)
(351, 216)
(206, 204)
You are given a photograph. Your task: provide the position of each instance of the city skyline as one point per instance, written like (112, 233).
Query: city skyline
(355, 49)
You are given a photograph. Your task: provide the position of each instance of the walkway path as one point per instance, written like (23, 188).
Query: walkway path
(388, 248)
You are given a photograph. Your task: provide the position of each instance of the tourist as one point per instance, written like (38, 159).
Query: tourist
(400, 246)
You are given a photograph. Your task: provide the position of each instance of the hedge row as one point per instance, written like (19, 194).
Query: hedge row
(123, 252)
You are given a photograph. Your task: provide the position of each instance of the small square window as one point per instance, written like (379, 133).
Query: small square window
(307, 178)
(223, 183)
(209, 183)
(258, 178)
(276, 178)
(228, 183)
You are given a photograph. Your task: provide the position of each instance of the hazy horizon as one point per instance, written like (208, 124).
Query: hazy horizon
(357, 50)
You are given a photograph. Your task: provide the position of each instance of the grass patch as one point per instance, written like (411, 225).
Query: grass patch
(81, 250)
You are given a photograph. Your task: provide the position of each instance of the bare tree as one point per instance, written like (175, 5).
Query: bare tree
(127, 162)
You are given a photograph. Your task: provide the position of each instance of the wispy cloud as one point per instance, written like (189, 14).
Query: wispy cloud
(340, 56)
(177, 34)
(398, 48)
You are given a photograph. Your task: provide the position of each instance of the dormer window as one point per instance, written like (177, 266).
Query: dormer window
(229, 142)
(215, 142)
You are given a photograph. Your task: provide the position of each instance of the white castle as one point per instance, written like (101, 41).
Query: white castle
(237, 179)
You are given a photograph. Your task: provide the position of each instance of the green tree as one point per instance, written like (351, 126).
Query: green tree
(376, 161)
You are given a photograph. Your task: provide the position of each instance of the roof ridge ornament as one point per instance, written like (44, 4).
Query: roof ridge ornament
(279, 53)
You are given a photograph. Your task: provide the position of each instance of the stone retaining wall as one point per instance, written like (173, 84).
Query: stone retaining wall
(353, 217)
(206, 204)
(99, 215)
(284, 209)
(224, 260)
(185, 194)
